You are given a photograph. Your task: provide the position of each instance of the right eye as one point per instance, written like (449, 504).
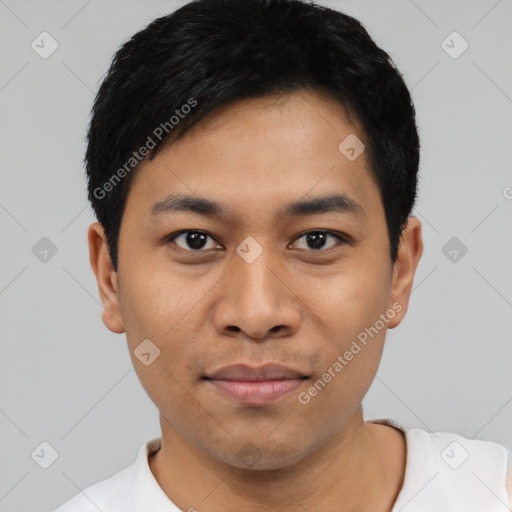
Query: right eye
(193, 241)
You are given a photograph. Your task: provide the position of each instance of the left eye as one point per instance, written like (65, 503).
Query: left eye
(317, 239)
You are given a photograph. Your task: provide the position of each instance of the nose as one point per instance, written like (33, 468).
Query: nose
(258, 300)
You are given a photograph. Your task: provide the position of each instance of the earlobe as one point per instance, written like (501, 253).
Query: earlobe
(409, 254)
(106, 278)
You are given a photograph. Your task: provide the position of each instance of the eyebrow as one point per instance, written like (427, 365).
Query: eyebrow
(339, 203)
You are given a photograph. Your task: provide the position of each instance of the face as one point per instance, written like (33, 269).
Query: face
(290, 266)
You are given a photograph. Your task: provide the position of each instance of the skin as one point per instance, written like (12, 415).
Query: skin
(294, 305)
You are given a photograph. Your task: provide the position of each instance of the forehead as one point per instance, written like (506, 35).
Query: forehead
(261, 153)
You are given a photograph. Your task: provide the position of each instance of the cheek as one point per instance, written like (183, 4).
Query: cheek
(155, 302)
(349, 304)
(346, 373)
(163, 307)
(348, 301)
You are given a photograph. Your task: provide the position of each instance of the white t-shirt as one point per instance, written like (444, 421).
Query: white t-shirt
(444, 472)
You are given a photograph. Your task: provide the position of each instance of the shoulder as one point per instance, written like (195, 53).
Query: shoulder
(509, 479)
(444, 469)
(108, 494)
(472, 472)
(132, 488)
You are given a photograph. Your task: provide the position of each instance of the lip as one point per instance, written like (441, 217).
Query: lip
(261, 385)
(247, 373)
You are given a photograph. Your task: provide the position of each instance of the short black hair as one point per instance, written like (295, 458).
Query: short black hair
(210, 53)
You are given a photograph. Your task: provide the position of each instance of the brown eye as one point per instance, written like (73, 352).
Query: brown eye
(192, 240)
(318, 240)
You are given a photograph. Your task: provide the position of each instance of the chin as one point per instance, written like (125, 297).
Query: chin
(264, 457)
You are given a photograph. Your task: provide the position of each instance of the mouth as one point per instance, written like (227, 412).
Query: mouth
(262, 385)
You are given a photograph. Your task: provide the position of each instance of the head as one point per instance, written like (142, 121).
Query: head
(253, 167)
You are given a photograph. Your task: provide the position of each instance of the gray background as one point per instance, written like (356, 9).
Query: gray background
(67, 380)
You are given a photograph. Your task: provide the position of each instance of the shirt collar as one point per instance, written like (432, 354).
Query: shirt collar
(144, 485)
(146, 492)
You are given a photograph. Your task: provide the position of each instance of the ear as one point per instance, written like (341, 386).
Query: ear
(409, 254)
(106, 278)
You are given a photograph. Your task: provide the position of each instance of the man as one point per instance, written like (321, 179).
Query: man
(253, 167)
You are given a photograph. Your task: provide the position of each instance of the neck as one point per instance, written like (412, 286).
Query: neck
(355, 470)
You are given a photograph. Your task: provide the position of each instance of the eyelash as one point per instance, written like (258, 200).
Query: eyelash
(343, 240)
